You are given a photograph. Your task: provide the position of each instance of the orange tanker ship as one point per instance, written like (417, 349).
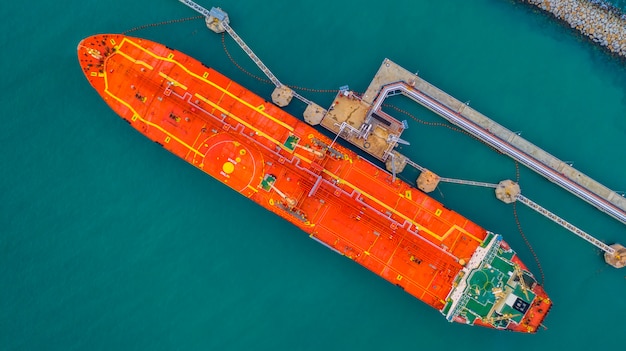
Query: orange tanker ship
(331, 193)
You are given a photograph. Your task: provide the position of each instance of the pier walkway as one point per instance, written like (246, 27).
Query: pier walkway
(217, 20)
(452, 180)
(565, 224)
(393, 79)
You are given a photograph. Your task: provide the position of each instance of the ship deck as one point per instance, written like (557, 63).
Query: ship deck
(339, 198)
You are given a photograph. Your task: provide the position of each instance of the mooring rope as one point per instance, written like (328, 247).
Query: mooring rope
(230, 57)
(532, 251)
(267, 81)
(162, 23)
(440, 124)
(517, 176)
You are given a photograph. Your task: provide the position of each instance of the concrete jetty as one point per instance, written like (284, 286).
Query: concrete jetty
(392, 79)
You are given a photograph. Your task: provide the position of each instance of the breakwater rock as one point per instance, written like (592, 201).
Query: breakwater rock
(597, 20)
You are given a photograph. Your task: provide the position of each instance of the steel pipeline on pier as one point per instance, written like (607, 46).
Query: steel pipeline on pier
(400, 80)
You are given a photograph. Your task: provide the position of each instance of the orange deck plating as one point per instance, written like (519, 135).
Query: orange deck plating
(283, 164)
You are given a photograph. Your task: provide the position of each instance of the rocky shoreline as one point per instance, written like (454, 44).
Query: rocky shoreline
(595, 19)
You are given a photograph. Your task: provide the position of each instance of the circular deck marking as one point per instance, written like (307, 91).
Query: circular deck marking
(232, 162)
(228, 167)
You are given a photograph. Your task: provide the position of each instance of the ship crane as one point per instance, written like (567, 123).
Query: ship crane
(217, 20)
(522, 283)
(290, 202)
(506, 316)
(317, 153)
(393, 138)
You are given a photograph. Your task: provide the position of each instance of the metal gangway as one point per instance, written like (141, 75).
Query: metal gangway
(223, 23)
(452, 180)
(534, 206)
(468, 182)
(543, 211)
(565, 224)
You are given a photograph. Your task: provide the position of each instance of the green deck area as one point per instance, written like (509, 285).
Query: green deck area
(493, 292)
(291, 142)
(488, 238)
(267, 182)
(501, 264)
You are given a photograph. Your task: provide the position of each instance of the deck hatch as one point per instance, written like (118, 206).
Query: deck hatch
(291, 142)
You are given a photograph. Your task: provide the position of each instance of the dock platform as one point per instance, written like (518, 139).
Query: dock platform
(373, 131)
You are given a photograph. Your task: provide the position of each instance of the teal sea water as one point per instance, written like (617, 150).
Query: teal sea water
(107, 242)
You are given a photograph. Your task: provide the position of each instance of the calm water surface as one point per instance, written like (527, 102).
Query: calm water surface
(109, 243)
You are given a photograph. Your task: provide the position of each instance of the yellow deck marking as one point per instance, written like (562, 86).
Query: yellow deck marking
(374, 243)
(252, 188)
(430, 283)
(228, 167)
(379, 260)
(227, 113)
(139, 62)
(174, 81)
(138, 116)
(196, 140)
(171, 60)
(394, 211)
(219, 101)
(420, 227)
(339, 180)
(302, 157)
(386, 265)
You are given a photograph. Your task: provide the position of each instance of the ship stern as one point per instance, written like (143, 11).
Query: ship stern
(496, 290)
